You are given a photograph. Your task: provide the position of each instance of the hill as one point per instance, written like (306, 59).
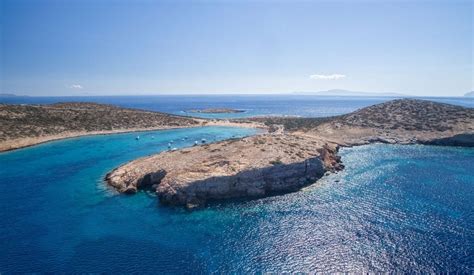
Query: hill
(410, 114)
(23, 125)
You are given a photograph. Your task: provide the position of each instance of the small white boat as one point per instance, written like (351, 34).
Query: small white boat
(195, 143)
(137, 138)
(203, 140)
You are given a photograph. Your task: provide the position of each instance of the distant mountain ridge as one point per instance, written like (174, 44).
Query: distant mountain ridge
(340, 92)
(8, 95)
(469, 94)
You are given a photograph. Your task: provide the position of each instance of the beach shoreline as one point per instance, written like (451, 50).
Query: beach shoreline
(29, 142)
(29, 125)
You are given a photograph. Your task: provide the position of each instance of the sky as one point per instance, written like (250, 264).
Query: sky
(86, 47)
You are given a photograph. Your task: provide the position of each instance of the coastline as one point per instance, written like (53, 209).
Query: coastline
(32, 141)
(28, 142)
(202, 180)
(27, 125)
(288, 155)
(286, 161)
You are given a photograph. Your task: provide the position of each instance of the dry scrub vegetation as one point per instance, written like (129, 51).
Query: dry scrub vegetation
(21, 121)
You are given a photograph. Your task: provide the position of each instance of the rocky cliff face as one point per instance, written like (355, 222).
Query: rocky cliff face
(257, 182)
(465, 140)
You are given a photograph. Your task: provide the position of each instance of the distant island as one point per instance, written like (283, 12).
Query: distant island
(470, 94)
(340, 92)
(8, 95)
(216, 111)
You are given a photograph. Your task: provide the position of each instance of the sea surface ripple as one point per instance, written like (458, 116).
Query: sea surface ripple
(394, 208)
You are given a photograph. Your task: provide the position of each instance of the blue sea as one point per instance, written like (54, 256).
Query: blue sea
(252, 105)
(393, 208)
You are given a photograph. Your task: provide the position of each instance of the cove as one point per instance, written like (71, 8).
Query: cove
(55, 204)
(394, 208)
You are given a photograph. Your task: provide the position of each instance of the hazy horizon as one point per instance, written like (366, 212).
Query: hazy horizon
(85, 48)
(326, 93)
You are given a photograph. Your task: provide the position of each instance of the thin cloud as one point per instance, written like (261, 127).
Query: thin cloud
(327, 76)
(76, 86)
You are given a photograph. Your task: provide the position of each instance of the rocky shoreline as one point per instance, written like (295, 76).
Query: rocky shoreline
(286, 161)
(229, 169)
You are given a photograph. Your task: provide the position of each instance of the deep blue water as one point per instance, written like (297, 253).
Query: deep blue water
(253, 105)
(394, 208)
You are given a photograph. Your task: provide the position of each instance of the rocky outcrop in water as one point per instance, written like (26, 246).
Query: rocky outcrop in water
(128, 182)
(250, 167)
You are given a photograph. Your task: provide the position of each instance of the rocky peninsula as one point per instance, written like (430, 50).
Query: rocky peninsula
(295, 153)
(249, 167)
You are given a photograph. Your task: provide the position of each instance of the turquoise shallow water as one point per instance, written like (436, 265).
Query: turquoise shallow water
(394, 208)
